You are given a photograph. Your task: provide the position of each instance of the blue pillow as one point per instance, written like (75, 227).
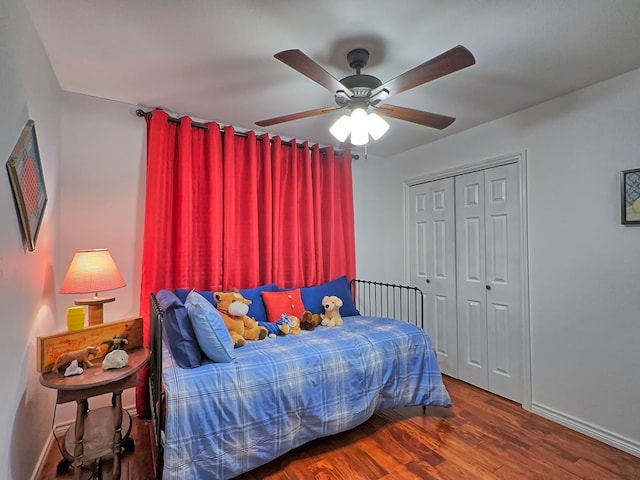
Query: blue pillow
(178, 331)
(182, 294)
(312, 296)
(256, 309)
(212, 334)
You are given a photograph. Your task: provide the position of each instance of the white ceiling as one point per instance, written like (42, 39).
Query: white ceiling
(213, 59)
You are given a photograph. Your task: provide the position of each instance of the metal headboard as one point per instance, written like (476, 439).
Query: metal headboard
(377, 299)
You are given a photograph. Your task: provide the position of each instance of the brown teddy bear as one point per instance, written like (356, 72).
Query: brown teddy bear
(331, 316)
(233, 308)
(309, 321)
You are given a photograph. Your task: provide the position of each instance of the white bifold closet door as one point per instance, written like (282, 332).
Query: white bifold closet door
(433, 265)
(465, 255)
(489, 280)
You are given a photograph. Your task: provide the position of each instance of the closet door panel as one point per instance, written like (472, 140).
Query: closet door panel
(471, 294)
(432, 264)
(472, 321)
(503, 262)
(498, 329)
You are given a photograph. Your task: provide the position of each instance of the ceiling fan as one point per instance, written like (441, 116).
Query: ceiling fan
(367, 93)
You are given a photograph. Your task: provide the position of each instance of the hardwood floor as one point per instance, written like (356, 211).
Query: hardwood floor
(481, 437)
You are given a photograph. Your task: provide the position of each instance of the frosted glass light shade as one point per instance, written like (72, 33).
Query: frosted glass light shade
(376, 125)
(359, 128)
(341, 128)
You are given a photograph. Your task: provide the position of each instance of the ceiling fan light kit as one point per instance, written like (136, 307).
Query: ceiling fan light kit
(360, 125)
(377, 125)
(364, 94)
(359, 129)
(341, 128)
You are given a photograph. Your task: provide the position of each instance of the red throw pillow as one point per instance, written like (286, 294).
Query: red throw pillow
(286, 301)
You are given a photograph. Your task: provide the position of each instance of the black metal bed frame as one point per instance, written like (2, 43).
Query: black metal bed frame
(375, 299)
(155, 381)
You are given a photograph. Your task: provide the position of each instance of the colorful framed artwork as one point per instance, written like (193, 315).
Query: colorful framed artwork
(630, 196)
(27, 182)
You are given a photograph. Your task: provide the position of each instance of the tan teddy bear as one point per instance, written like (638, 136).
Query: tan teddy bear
(233, 308)
(331, 316)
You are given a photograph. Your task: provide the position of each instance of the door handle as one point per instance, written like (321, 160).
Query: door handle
(428, 281)
(488, 287)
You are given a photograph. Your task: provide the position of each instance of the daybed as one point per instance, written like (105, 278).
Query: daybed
(218, 420)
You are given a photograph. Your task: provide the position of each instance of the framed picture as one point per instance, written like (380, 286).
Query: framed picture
(27, 183)
(630, 196)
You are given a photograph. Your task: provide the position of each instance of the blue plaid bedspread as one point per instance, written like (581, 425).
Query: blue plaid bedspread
(227, 418)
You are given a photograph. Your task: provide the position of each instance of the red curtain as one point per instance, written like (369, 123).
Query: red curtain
(224, 210)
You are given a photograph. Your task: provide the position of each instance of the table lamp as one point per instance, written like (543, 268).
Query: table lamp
(92, 271)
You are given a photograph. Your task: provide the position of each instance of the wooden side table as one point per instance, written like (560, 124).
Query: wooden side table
(93, 443)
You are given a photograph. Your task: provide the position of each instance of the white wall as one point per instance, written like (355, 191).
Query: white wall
(584, 270)
(376, 204)
(102, 201)
(28, 89)
(102, 191)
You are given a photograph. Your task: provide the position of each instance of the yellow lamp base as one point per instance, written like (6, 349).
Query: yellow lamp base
(75, 318)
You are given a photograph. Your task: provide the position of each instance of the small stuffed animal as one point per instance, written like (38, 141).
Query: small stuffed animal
(291, 325)
(82, 356)
(309, 321)
(331, 316)
(286, 325)
(233, 308)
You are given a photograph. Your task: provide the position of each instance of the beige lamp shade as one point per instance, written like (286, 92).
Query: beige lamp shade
(92, 271)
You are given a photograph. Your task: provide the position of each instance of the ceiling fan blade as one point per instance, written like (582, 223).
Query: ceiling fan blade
(448, 62)
(295, 116)
(420, 117)
(309, 68)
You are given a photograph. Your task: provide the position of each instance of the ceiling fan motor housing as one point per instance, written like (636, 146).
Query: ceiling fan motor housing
(360, 84)
(358, 58)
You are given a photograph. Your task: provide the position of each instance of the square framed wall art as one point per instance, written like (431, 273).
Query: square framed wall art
(630, 196)
(27, 182)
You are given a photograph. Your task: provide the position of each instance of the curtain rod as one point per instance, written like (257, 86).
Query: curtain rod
(204, 126)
